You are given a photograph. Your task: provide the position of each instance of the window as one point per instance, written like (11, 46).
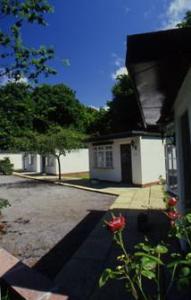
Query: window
(103, 156)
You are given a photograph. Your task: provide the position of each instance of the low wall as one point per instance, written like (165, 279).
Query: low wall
(15, 158)
(77, 161)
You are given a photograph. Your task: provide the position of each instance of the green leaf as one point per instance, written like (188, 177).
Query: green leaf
(106, 275)
(188, 256)
(185, 271)
(156, 259)
(188, 217)
(148, 274)
(160, 249)
(148, 264)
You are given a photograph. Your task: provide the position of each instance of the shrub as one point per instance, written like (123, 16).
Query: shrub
(6, 167)
(3, 204)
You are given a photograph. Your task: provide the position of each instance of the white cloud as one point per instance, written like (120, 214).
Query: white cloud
(94, 107)
(175, 12)
(117, 60)
(105, 107)
(118, 72)
(5, 79)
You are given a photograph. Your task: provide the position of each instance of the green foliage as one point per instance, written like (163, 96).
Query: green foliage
(180, 266)
(5, 166)
(24, 110)
(123, 111)
(134, 269)
(96, 122)
(186, 22)
(16, 112)
(18, 59)
(182, 229)
(57, 141)
(4, 203)
(56, 104)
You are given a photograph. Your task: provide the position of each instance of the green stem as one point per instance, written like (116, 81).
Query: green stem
(121, 243)
(171, 281)
(187, 237)
(134, 291)
(158, 281)
(141, 288)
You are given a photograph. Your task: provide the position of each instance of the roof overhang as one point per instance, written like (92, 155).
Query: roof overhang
(127, 134)
(158, 63)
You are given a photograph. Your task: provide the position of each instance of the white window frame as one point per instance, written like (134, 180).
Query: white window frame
(103, 156)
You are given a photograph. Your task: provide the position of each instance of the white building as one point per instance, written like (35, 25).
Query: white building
(132, 157)
(76, 161)
(161, 72)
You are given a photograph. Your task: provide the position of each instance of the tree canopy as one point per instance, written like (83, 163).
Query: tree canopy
(186, 22)
(57, 141)
(123, 113)
(16, 112)
(24, 109)
(56, 104)
(16, 59)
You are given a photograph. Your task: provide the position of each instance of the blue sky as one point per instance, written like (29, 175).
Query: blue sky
(92, 35)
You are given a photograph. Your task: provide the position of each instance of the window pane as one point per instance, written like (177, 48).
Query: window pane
(100, 159)
(109, 159)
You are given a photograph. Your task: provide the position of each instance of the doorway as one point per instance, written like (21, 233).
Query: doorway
(126, 164)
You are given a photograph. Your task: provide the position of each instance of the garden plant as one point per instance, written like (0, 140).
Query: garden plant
(143, 270)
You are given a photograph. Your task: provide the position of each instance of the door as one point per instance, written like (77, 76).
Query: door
(126, 165)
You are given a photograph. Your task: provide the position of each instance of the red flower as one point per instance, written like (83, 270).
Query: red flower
(172, 202)
(173, 215)
(116, 224)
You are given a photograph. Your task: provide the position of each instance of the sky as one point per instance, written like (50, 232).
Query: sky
(92, 35)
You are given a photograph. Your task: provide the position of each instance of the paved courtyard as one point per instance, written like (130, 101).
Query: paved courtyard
(43, 216)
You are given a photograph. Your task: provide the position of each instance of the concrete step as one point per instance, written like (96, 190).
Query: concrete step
(25, 282)
(80, 275)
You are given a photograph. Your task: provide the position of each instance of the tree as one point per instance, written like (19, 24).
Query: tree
(96, 121)
(16, 112)
(16, 59)
(56, 104)
(123, 111)
(186, 22)
(57, 141)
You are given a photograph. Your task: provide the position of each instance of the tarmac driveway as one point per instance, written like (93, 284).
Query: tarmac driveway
(47, 217)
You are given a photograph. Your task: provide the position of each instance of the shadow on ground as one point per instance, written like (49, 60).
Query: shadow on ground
(56, 258)
(96, 184)
(22, 184)
(78, 275)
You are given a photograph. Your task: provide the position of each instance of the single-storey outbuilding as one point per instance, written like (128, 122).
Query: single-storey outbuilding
(161, 72)
(74, 162)
(134, 157)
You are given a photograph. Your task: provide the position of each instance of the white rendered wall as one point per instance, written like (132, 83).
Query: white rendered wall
(15, 158)
(136, 161)
(148, 161)
(182, 104)
(114, 174)
(152, 159)
(76, 161)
